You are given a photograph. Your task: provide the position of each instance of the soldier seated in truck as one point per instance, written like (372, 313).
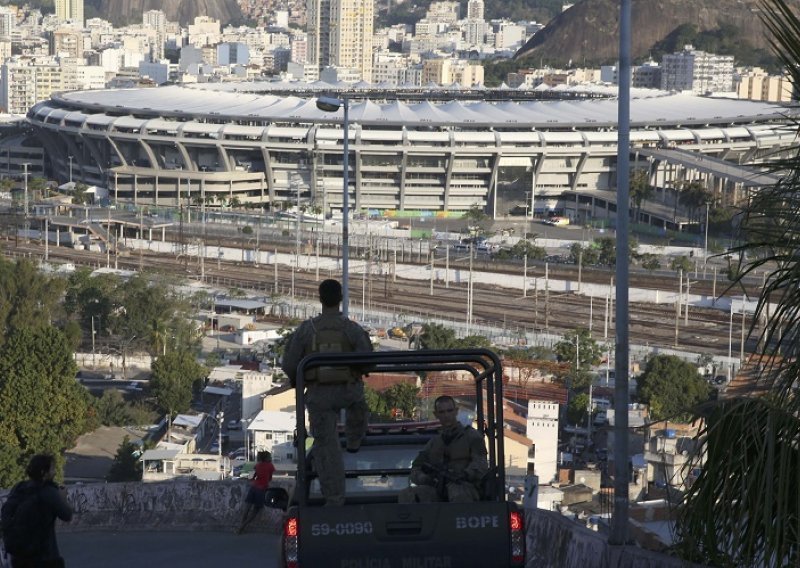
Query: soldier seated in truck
(452, 465)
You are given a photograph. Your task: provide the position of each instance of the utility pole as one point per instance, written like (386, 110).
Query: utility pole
(25, 202)
(525, 276)
(94, 364)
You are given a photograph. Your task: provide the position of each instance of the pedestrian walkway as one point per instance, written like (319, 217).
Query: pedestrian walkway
(154, 549)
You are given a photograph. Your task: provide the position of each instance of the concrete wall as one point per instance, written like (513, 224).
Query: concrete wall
(553, 541)
(190, 505)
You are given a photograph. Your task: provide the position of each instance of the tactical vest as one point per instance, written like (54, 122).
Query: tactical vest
(329, 337)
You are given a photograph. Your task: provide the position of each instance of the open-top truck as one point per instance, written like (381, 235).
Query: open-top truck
(373, 530)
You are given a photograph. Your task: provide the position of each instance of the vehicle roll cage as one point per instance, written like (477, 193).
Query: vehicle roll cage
(483, 364)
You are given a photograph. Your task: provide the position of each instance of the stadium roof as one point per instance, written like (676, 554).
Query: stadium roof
(224, 102)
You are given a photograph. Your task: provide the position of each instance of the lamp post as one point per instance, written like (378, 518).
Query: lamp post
(705, 244)
(333, 104)
(25, 203)
(70, 168)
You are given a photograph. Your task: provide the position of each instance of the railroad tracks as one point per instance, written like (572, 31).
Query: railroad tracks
(706, 330)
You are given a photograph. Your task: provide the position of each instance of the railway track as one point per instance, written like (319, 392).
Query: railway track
(706, 330)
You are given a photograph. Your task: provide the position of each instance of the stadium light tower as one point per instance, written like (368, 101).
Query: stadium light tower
(333, 104)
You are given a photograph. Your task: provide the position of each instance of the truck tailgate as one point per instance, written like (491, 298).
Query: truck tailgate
(425, 535)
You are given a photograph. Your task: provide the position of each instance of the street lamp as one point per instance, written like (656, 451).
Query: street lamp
(333, 104)
(705, 244)
(70, 168)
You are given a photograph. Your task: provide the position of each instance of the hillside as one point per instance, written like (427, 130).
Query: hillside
(183, 11)
(390, 12)
(589, 31)
(124, 12)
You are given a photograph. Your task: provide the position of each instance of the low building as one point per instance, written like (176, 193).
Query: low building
(270, 428)
(165, 464)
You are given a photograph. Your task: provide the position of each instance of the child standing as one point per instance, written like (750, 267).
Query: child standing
(256, 495)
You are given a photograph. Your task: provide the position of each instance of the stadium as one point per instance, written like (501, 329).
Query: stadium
(410, 153)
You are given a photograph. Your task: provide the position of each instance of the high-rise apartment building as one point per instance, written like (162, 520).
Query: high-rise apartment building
(340, 35)
(475, 10)
(70, 10)
(156, 20)
(697, 71)
(24, 81)
(8, 21)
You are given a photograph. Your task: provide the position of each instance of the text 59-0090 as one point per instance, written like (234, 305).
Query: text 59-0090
(341, 529)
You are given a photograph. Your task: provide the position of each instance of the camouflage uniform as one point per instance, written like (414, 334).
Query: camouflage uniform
(325, 401)
(462, 453)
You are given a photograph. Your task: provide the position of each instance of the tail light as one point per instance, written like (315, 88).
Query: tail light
(291, 529)
(517, 524)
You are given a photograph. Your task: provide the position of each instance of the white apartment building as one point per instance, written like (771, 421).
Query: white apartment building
(475, 32)
(156, 20)
(204, 31)
(299, 46)
(475, 10)
(307, 72)
(340, 35)
(91, 77)
(508, 35)
(8, 21)
(68, 43)
(388, 67)
(70, 10)
(444, 11)
(24, 81)
(697, 71)
(542, 430)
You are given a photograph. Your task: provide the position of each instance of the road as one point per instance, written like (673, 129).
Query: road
(187, 549)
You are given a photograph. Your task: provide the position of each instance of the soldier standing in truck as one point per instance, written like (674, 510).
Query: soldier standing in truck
(452, 464)
(330, 389)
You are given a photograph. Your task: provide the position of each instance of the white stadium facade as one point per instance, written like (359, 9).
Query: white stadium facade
(410, 153)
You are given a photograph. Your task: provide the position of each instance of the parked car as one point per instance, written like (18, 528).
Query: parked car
(238, 452)
(134, 386)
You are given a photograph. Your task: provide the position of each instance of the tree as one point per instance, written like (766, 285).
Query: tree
(581, 351)
(42, 407)
(650, 261)
(680, 263)
(473, 342)
(174, 375)
(743, 508)
(672, 388)
(586, 348)
(523, 248)
(126, 465)
(586, 255)
(376, 404)
(476, 220)
(577, 409)
(437, 336)
(402, 398)
(28, 298)
(640, 190)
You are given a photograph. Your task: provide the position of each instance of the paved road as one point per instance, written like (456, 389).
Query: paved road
(137, 549)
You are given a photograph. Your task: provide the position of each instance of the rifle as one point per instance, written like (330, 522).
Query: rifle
(442, 474)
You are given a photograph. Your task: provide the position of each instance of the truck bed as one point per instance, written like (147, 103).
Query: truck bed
(397, 535)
